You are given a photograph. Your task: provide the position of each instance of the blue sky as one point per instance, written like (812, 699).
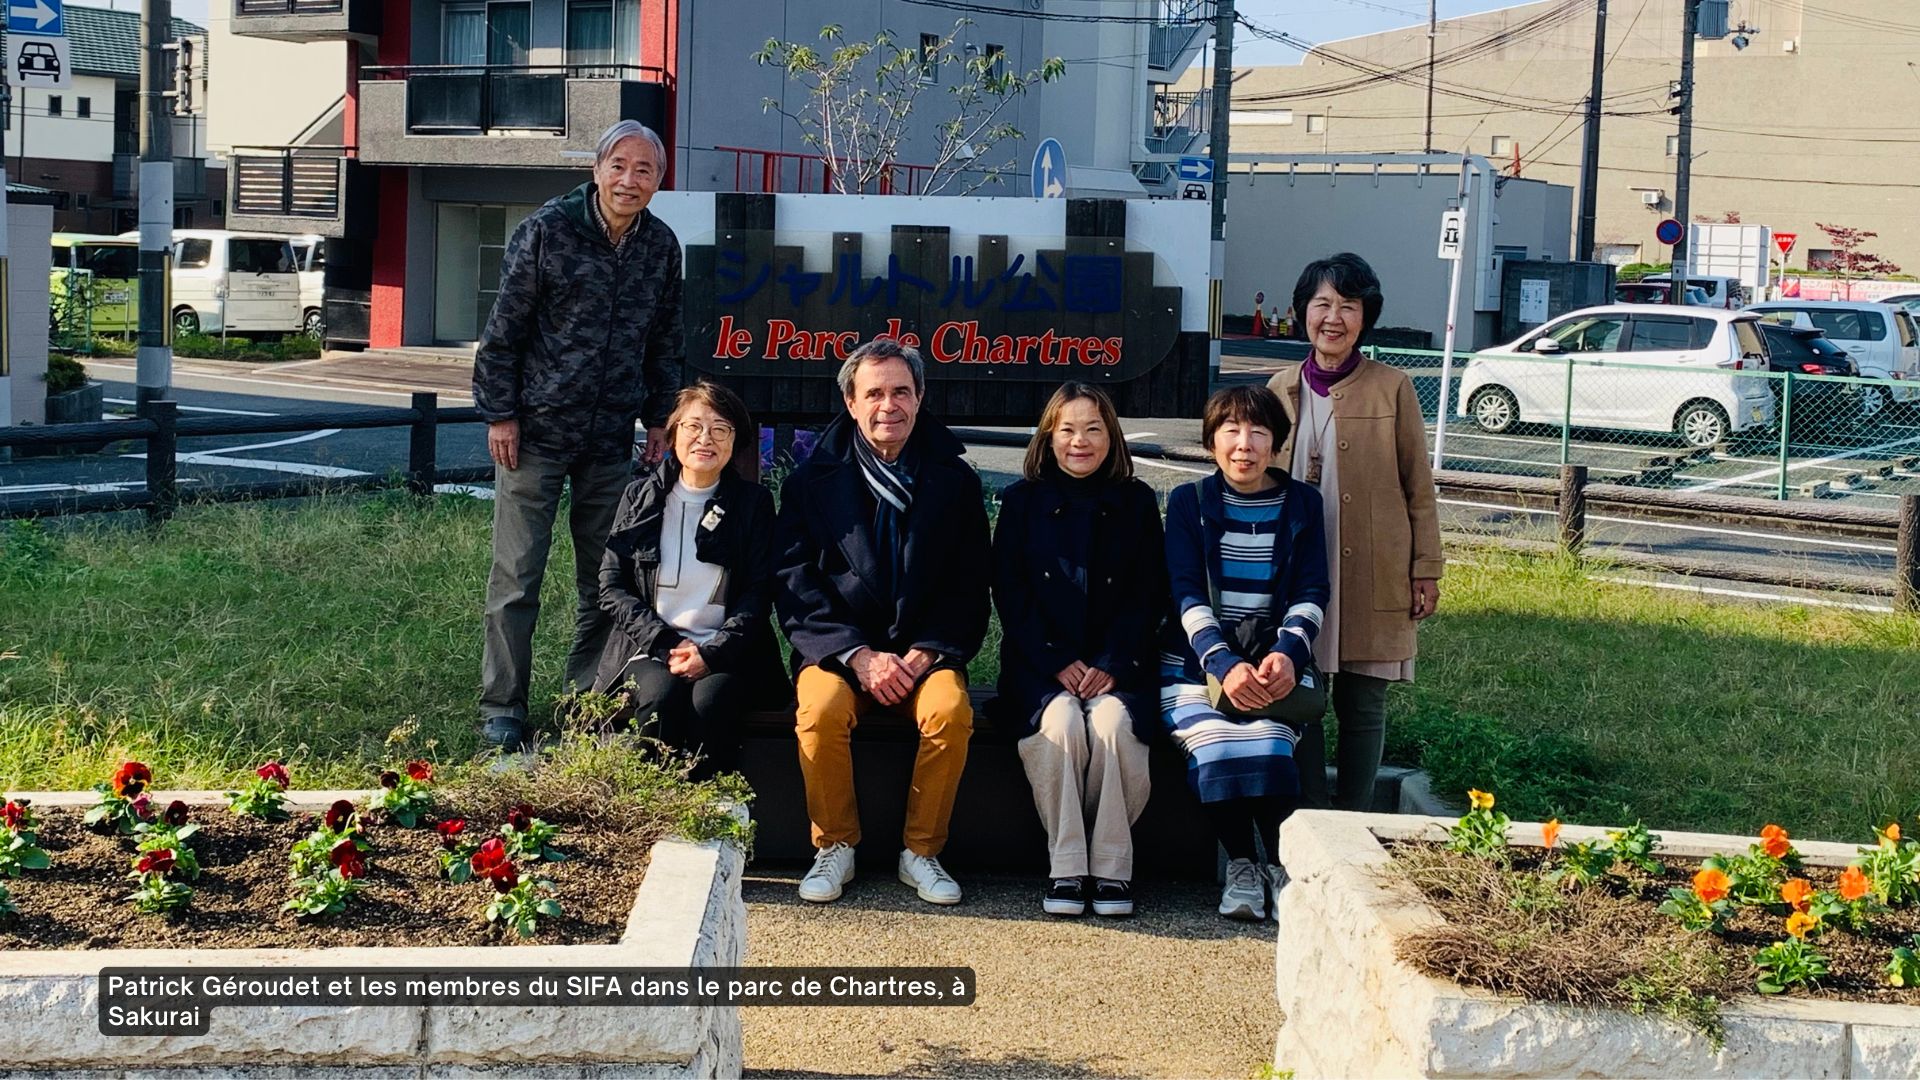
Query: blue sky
(1313, 20)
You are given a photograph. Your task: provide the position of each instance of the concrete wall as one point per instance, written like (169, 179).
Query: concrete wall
(1093, 110)
(67, 136)
(28, 252)
(1277, 223)
(263, 92)
(1785, 138)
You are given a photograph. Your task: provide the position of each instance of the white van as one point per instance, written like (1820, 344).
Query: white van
(1881, 339)
(233, 282)
(310, 256)
(1636, 367)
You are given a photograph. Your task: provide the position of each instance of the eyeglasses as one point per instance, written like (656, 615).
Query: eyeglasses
(718, 431)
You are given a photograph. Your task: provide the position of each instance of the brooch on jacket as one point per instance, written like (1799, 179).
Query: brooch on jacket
(712, 520)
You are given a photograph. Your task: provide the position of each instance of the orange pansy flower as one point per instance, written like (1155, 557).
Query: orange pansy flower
(1550, 833)
(1798, 893)
(1711, 885)
(1774, 841)
(1854, 884)
(1890, 836)
(1799, 924)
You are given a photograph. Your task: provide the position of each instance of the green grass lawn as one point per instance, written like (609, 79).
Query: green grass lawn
(315, 632)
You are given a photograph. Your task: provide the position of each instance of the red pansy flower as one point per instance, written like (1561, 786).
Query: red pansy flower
(175, 814)
(143, 806)
(491, 862)
(450, 832)
(389, 779)
(156, 862)
(338, 815)
(275, 772)
(420, 770)
(345, 857)
(131, 779)
(520, 817)
(14, 814)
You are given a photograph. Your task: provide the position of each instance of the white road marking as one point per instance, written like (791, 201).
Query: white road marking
(1175, 468)
(1142, 435)
(198, 455)
(300, 468)
(447, 398)
(1791, 466)
(194, 408)
(1745, 595)
(1779, 538)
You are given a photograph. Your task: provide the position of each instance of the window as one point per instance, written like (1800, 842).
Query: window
(54, 105)
(219, 208)
(83, 107)
(183, 217)
(82, 200)
(1316, 123)
(929, 58)
(603, 32)
(192, 253)
(1840, 324)
(509, 32)
(1905, 322)
(1673, 146)
(118, 261)
(996, 61)
(463, 34)
(250, 256)
(1503, 146)
(1746, 334)
(1823, 259)
(1659, 333)
(1591, 334)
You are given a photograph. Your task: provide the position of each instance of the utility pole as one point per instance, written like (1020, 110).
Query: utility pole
(1433, 38)
(6, 288)
(1683, 168)
(1222, 113)
(1590, 154)
(154, 357)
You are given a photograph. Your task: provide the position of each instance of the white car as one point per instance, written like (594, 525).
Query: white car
(231, 281)
(1633, 367)
(1881, 338)
(310, 255)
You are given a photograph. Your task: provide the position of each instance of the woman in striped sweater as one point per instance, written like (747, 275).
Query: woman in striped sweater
(1246, 557)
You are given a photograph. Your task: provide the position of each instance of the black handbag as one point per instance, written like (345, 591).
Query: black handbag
(1304, 704)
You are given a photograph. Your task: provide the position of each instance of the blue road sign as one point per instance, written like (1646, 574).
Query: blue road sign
(1669, 232)
(1049, 170)
(43, 17)
(1197, 169)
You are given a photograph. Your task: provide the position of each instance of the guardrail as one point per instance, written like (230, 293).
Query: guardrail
(161, 427)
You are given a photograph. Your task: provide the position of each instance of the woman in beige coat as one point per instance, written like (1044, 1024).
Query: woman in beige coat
(1360, 437)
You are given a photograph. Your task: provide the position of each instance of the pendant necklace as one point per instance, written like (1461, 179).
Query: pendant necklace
(1320, 438)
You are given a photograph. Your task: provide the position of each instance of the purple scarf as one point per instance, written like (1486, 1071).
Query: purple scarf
(1320, 380)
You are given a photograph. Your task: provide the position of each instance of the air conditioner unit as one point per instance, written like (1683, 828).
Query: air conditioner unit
(1651, 196)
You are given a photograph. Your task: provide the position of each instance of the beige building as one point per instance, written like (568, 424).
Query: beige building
(1817, 119)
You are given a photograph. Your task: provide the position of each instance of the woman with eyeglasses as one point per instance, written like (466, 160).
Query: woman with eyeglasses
(688, 580)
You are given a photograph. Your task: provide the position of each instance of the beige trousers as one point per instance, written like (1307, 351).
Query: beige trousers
(1090, 782)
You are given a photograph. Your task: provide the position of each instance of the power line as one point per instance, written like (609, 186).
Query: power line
(1053, 16)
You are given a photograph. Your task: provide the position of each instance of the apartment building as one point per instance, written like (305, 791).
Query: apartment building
(83, 142)
(1804, 114)
(416, 134)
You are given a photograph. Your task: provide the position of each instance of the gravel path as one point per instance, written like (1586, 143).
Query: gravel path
(1174, 991)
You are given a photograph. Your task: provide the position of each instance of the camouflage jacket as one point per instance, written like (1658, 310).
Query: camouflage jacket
(583, 337)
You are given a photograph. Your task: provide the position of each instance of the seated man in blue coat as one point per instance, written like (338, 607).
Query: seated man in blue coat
(884, 569)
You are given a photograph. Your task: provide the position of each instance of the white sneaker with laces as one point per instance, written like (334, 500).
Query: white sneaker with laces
(1245, 894)
(928, 878)
(832, 869)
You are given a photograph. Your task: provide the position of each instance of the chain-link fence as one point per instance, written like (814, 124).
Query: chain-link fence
(1687, 425)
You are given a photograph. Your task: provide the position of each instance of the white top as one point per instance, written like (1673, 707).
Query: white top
(689, 594)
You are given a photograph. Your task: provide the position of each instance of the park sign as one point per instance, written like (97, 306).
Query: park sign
(1004, 298)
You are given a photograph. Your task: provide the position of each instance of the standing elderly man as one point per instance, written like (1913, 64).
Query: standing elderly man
(584, 338)
(884, 570)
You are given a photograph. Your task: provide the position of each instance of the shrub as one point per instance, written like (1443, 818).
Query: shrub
(64, 374)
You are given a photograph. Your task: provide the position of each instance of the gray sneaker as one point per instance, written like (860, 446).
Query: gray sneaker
(504, 731)
(1245, 894)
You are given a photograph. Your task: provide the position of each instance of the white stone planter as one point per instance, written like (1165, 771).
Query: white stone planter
(687, 913)
(1354, 1010)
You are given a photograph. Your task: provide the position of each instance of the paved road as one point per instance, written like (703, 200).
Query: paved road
(211, 388)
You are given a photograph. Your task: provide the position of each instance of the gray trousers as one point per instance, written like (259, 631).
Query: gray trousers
(1090, 782)
(1360, 709)
(525, 502)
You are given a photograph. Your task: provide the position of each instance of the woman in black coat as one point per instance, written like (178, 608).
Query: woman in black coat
(1080, 582)
(688, 579)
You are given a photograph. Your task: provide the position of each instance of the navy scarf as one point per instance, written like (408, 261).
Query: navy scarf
(892, 487)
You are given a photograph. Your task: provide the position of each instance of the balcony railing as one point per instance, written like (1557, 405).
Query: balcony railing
(308, 20)
(456, 99)
(301, 182)
(786, 171)
(1188, 109)
(1174, 36)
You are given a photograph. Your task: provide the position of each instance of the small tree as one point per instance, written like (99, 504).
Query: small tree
(1849, 261)
(1730, 217)
(860, 95)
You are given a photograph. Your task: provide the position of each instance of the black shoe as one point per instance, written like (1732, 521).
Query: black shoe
(1066, 896)
(503, 731)
(1112, 897)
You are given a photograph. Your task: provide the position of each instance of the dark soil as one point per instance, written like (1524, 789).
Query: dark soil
(81, 901)
(1607, 934)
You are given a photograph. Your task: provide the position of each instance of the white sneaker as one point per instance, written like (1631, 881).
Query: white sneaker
(1245, 894)
(832, 868)
(928, 878)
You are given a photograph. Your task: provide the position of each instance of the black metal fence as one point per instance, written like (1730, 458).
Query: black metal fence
(160, 426)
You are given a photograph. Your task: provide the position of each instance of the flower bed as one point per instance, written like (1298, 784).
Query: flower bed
(1367, 949)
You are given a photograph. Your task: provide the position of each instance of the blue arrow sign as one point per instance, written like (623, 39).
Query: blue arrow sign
(44, 17)
(1049, 170)
(1197, 168)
